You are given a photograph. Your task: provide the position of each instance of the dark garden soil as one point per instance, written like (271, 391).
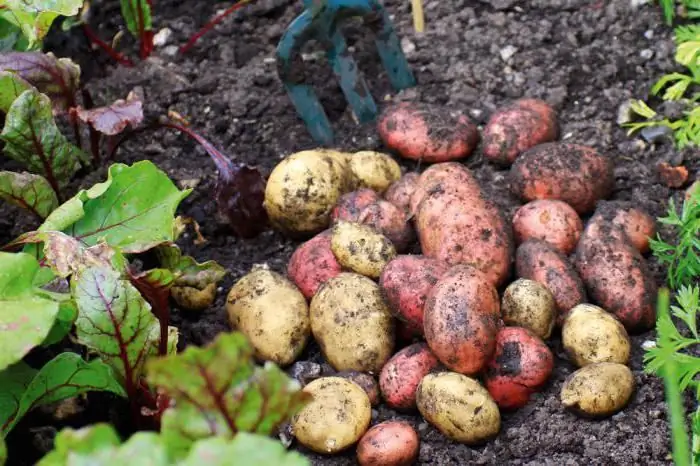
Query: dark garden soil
(585, 57)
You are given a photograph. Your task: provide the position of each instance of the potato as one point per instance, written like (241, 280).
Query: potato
(373, 170)
(366, 381)
(405, 283)
(302, 189)
(591, 335)
(400, 192)
(194, 299)
(448, 177)
(598, 390)
(351, 204)
(461, 319)
(520, 366)
(427, 132)
(527, 303)
(538, 261)
(361, 248)
(352, 324)
(458, 407)
(575, 174)
(391, 443)
(313, 263)
(278, 333)
(401, 375)
(518, 127)
(336, 418)
(552, 221)
(637, 224)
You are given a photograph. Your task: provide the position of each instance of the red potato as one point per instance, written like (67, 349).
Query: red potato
(552, 221)
(538, 261)
(364, 380)
(427, 132)
(399, 192)
(405, 283)
(445, 177)
(312, 264)
(520, 366)
(462, 317)
(637, 225)
(401, 375)
(391, 443)
(518, 127)
(575, 174)
(351, 204)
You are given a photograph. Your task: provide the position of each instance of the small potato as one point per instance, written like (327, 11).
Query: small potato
(391, 443)
(400, 192)
(361, 248)
(448, 177)
(336, 418)
(591, 335)
(427, 132)
(521, 365)
(194, 299)
(351, 204)
(366, 381)
(352, 324)
(527, 303)
(374, 170)
(313, 263)
(401, 375)
(637, 225)
(552, 221)
(277, 332)
(598, 390)
(458, 407)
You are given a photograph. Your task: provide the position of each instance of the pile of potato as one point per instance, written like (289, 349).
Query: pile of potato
(458, 332)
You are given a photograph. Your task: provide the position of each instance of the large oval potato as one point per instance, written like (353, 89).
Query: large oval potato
(458, 407)
(401, 191)
(277, 333)
(374, 170)
(598, 390)
(591, 335)
(352, 324)
(529, 304)
(313, 263)
(401, 375)
(194, 299)
(361, 248)
(448, 177)
(390, 443)
(336, 418)
(637, 224)
(552, 221)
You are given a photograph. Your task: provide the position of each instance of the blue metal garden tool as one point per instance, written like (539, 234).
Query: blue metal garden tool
(320, 21)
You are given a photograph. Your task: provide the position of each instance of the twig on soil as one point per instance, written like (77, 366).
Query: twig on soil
(116, 56)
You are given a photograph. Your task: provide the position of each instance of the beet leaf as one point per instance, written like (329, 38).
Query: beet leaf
(28, 191)
(3, 452)
(113, 119)
(155, 286)
(247, 448)
(139, 22)
(11, 86)
(185, 270)
(34, 18)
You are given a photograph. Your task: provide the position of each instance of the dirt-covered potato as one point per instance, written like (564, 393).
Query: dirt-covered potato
(302, 189)
(352, 324)
(598, 390)
(194, 299)
(366, 381)
(401, 375)
(637, 224)
(313, 263)
(448, 177)
(373, 170)
(277, 332)
(520, 366)
(591, 335)
(518, 127)
(552, 221)
(575, 174)
(351, 204)
(529, 304)
(459, 407)
(361, 248)
(400, 192)
(427, 132)
(335, 419)
(390, 443)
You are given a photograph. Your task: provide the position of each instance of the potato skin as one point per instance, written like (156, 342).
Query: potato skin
(575, 174)
(591, 335)
(313, 263)
(538, 261)
(598, 390)
(448, 177)
(194, 299)
(527, 303)
(458, 407)
(427, 132)
(637, 224)
(405, 283)
(400, 192)
(390, 443)
(351, 204)
(361, 248)
(552, 221)
(373, 170)
(401, 375)
(277, 333)
(518, 127)
(366, 381)
(461, 319)
(352, 324)
(520, 366)
(336, 418)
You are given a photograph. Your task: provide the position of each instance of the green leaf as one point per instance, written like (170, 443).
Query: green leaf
(11, 37)
(687, 52)
(3, 452)
(11, 86)
(30, 192)
(246, 448)
(65, 376)
(67, 314)
(186, 271)
(137, 14)
(14, 380)
(25, 317)
(36, 16)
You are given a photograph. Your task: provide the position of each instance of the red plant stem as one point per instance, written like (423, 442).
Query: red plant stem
(116, 56)
(210, 25)
(222, 163)
(146, 37)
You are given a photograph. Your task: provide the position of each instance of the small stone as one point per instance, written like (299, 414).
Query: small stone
(649, 34)
(653, 134)
(423, 426)
(189, 184)
(624, 112)
(170, 50)
(305, 371)
(507, 52)
(407, 46)
(637, 3)
(162, 37)
(646, 54)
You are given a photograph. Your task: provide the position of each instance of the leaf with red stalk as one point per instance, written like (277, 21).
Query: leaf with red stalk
(113, 119)
(155, 286)
(139, 22)
(210, 25)
(109, 50)
(28, 191)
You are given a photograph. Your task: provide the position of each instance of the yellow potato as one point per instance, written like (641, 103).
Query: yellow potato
(598, 390)
(336, 418)
(361, 248)
(591, 335)
(272, 313)
(194, 299)
(459, 407)
(527, 303)
(352, 324)
(302, 190)
(374, 170)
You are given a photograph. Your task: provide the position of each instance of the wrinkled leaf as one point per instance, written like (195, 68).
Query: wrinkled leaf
(11, 86)
(36, 16)
(113, 119)
(13, 382)
(247, 448)
(186, 271)
(63, 377)
(30, 192)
